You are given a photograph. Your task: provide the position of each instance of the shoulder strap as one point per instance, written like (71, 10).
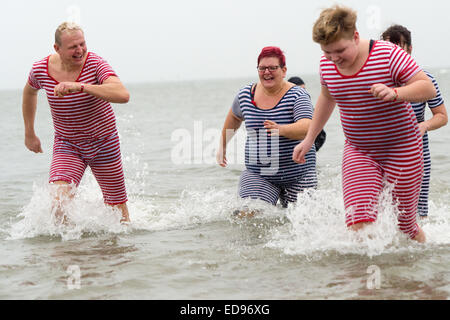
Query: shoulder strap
(252, 94)
(372, 42)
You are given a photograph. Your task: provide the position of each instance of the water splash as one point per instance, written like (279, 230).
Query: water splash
(313, 227)
(317, 227)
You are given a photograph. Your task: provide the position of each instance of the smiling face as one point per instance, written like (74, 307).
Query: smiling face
(342, 52)
(72, 48)
(271, 78)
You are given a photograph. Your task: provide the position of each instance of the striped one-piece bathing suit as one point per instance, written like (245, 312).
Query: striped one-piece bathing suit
(271, 174)
(85, 130)
(419, 110)
(382, 138)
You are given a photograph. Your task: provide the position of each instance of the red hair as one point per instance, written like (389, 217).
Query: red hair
(273, 52)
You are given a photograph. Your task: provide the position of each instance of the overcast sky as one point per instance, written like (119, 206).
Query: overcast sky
(170, 40)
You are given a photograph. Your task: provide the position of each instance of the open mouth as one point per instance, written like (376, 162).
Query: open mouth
(78, 57)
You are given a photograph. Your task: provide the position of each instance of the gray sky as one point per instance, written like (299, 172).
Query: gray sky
(204, 39)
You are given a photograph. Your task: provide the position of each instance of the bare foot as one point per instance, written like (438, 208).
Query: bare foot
(245, 213)
(125, 215)
(62, 220)
(125, 218)
(125, 221)
(420, 237)
(360, 225)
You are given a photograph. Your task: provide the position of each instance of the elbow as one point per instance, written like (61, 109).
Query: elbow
(445, 120)
(124, 97)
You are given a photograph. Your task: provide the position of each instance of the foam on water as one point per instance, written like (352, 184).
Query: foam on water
(317, 227)
(313, 227)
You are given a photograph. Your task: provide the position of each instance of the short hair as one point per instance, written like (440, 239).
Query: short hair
(65, 27)
(276, 52)
(398, 35)
(334, 24)
(296, 80)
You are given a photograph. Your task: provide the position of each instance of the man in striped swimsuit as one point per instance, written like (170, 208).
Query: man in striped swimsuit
(371, 85)
(80, 86)
(401, 36)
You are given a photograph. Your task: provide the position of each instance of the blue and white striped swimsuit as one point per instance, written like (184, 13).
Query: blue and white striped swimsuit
(271, 174)
(419, 110)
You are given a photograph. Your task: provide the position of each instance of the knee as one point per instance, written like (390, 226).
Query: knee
(358, 226)
(63, 190)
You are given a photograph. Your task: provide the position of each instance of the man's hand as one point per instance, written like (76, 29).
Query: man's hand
(301, 150)
(33, 144)
(65, 88)
(383, 92)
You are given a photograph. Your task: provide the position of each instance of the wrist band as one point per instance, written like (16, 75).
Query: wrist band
(82, 88)
(396, 94)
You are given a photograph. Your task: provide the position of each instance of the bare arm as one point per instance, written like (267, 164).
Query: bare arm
(294, 131)
(438, 120)
(232, 123)
(29, 106)
(418, 89)
(322, 112)
(111, 90)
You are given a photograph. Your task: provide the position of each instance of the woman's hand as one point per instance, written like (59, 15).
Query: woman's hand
(273, 128)
(221, 157)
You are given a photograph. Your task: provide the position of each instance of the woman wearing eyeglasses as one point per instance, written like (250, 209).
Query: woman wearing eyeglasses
(277, 115)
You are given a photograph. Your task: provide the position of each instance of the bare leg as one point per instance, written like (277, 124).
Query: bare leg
(63, 194)
(420, 237)
(359, 225)
(124, 209)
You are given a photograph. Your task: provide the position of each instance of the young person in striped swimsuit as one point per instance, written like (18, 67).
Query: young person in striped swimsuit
(401, 36)
(80, 86)
(372, 84)
(277, 114)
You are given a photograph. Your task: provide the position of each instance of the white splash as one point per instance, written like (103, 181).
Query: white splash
(317, 227)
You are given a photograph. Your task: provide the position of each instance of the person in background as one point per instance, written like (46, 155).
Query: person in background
(372, 82)
(277, 115)
(80, 86)
(401, 36)
(321, 138)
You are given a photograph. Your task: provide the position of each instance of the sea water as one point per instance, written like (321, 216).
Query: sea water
(183, 241)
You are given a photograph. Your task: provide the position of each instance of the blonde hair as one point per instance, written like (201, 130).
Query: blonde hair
(65, 27)
(334, 24)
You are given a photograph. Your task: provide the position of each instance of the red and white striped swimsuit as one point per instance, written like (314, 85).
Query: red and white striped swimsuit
(85, 130)
(382, 138)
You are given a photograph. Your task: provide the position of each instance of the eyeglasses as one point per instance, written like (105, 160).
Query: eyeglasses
(271, 68)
